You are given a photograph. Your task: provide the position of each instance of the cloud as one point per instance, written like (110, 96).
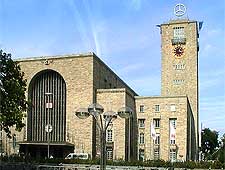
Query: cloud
(211, 79)
(212, 112)
(211, 43)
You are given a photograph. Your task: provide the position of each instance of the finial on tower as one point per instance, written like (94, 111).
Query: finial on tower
(179, 10)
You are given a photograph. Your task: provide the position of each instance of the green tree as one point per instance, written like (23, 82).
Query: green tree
(13, 102)
(220, 155)
(209, 142)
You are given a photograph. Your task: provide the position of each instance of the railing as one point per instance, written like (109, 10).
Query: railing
(95, 167)
(176, 41)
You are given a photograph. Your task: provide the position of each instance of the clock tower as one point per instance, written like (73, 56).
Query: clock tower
(179, 75)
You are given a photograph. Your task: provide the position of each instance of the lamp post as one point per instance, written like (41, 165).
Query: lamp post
(48, 127)
(102, 120)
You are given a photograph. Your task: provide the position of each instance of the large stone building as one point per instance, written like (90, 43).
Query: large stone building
(162, 127)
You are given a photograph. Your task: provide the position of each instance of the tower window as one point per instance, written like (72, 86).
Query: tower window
(178, 82)
(179, 66)
(178, 36)
(178, 32)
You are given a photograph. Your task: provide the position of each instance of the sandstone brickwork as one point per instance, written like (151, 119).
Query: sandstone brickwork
(179, 75)
(180, 113)
(89, 80)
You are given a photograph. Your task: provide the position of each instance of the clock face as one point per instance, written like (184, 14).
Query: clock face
(178, 51)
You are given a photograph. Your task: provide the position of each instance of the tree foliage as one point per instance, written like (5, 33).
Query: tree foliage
(209, 141)
(220, 154)
(13, 102)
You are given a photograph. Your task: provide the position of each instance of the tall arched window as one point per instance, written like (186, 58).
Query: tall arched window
(47, 94)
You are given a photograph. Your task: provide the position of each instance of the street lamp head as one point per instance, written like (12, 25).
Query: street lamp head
(82, 113)
(95, 109)
(125, 112)
(110, 116)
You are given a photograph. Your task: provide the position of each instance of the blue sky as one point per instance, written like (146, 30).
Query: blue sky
(124, 35)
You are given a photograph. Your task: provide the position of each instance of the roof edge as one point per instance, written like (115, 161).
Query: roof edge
(147, 97)
(87, 54)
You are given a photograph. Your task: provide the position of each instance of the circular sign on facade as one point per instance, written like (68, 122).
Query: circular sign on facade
(48, 128)
(179, 10)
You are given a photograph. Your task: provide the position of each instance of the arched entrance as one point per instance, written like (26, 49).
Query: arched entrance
(47, 95)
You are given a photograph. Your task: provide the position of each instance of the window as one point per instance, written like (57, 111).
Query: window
(141, 108)
(142, 138)
(109, 153)
(156, 153)
(172, 131)
(178, 32)
(173, 121)
(179, 66)
(157, 140)
(172, 141)
(173, 155)
(173, 108)
(141, 123)
(178, 82)
(157, 108)
(141, 154)
(109, 135)
(156, 123)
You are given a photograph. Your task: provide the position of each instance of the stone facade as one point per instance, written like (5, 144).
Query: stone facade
(163, 109)
(113, 100)
(88, 80)
(179, 75)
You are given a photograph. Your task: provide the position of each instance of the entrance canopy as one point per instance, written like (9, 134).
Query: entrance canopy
(40, 149)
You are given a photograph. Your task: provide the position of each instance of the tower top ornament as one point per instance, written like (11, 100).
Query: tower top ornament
(179, 10)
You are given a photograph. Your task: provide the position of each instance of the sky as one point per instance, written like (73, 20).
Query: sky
(124, 35)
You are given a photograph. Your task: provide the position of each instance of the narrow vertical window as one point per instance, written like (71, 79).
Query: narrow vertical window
(141, 154)
(157, 108)
(109, 135)
(142, 138)
(141, 123)
(156, 123)
(141, 108)
(156, 153)
(157, 140)
(172, 108)
(173, 155)
(173, 121)
(109, 153)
